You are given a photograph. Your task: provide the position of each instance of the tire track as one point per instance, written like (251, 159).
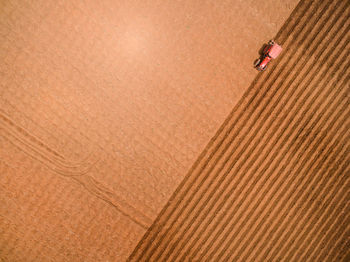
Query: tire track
(16, 128)
(79, 172)
(56, 166)
(97, 189)
(101, 149)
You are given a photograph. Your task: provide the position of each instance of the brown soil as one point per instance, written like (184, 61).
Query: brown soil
(273, 184)
(106, 105)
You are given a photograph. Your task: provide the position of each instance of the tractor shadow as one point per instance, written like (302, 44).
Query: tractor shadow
(261, 52)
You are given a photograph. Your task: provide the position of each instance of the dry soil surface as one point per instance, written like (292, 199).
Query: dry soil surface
(274, 183)
(105, 106)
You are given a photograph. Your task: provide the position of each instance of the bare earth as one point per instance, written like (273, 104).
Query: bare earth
(106, 105)
(274, 182)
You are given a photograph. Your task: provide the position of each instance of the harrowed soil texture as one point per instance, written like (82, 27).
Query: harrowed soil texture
(274, 182)
(140, 130)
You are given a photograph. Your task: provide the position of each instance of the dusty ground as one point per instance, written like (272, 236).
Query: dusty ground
(106, 105)
(274, 183)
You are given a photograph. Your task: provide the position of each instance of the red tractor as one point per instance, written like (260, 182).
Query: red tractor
(271, 51)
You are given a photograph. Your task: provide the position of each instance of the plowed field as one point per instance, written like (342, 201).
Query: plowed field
(273, 184)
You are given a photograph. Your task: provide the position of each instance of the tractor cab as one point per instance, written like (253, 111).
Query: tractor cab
(271, 51)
